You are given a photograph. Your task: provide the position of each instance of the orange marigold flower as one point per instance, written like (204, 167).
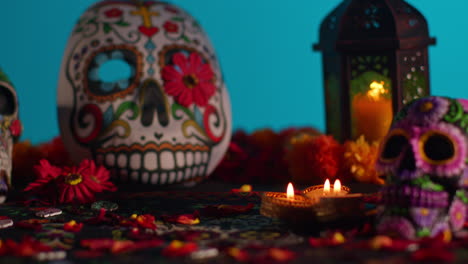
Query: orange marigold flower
(359, 161)
(265, 138)
(312, 159)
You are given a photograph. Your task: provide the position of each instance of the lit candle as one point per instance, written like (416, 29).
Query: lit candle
(372, 112)
(337, 187)
(290, 192)
(326, 187)
(287, 206)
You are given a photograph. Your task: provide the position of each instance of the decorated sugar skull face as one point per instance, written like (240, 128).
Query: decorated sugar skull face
(10, 129)
(166, 118)
(424, 157)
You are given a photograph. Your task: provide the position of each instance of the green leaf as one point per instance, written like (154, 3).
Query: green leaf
(461, 194)
(127, 106)
(122, 23)
(424, 232)
(107, 28)
(176, 107)
(180, 19)
(91, 21)
(186, 39)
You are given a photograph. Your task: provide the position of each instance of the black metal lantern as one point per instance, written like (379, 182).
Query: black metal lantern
(375, 60)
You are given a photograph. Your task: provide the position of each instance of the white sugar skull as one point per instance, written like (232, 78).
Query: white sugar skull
(424, 157)
(168, 120)
(10, 130)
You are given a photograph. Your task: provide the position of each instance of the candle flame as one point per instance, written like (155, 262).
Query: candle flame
(326, 187)
(290, 191)
(337, 186)
(376, 89)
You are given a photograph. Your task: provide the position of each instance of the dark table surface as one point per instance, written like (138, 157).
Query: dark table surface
(248, 231)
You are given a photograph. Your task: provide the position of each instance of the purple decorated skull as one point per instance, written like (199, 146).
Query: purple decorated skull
(10, 130)
(424, 158)
(141, 92)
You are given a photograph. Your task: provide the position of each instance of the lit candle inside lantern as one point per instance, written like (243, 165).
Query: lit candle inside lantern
(372, 112)
(326, 187)
(290, 192)
(337, 187)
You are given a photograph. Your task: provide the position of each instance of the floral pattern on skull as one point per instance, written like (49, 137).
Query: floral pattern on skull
(424, 158)
(10, 130)
(166, 121)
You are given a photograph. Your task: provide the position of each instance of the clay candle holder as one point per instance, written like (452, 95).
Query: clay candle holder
(336, 204)
(316, 203)
(287, 206)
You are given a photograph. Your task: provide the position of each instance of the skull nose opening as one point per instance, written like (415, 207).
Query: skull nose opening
(408, 162)
(153, 100)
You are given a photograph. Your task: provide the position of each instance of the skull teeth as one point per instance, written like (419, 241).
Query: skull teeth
(150, 167)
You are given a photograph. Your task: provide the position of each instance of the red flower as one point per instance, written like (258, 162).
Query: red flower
(28, 247)
(114, 12)
(73, 226)
(279, 255)
(16, 128)
(171, 27)
(238, 254)
(104, 218)
(171, 9)
(70, 184)
(189, 80)
(184, 219)
(33, 224)
(118, 246)
(332, 239)
(179, 249)
(145, 221)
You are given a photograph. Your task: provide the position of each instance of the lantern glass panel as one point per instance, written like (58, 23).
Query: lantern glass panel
(370, 96)
(414, 74)
(333, 94)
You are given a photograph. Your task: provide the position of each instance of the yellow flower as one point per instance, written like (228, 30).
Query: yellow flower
(359, 160)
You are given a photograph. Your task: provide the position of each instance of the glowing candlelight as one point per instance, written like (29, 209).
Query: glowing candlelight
(372, 112)
(337, 187)
(326, 187)
(376, 89)
(290, 191)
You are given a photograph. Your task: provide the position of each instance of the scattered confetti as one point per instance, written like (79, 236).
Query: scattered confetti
(204, 254)
(51, 255)
(5, 223)
(49, 212)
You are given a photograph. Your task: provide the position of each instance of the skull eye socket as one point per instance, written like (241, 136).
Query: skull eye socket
(7, 101)
(437, 148)
(112, 72)
(394, 145)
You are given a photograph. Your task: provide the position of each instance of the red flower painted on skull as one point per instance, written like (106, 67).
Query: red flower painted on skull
(189, 80)
(171, 27)
(113, 12)
(16, 128)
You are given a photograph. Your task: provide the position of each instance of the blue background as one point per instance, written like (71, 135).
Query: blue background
(264, 46)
